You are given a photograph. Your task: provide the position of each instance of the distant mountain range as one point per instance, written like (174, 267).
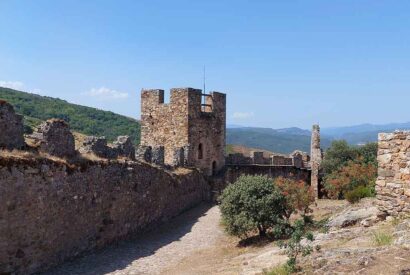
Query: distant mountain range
(287, 140)
(280, 141)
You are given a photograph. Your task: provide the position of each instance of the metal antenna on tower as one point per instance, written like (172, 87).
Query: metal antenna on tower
(204, 80)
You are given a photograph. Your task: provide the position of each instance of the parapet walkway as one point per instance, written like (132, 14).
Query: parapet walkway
(151, 254)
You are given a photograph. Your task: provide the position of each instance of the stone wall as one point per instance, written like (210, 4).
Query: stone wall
(234, 172)
(52, 211)
(296, 159)
(54, 137)
(11, 127)
(186, 124)
(393, 182)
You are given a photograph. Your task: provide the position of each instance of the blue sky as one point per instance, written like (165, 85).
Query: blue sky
(282, 63)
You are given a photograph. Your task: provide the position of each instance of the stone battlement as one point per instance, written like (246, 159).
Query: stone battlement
(183, 98)
(297, 159)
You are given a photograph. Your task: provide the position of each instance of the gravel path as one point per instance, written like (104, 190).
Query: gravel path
(194, 230)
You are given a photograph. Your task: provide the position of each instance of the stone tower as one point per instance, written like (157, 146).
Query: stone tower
(192, 132)
(315, 159)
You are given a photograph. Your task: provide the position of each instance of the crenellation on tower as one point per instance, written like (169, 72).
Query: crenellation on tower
(192, 132)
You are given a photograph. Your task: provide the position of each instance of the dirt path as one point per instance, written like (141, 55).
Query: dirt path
(193, 243)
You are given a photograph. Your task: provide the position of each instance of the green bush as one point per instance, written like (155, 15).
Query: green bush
(253, 203)
(359, 193)
(350, 171)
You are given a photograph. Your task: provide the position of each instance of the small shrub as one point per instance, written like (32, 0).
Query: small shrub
(299, 196)
(359, 193)
(382, 238)
(253, 203)
(294, 248)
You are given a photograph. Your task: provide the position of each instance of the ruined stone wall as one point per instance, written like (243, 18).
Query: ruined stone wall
(238, 158)
(316, 159)
(393, 182)
(257, 158)
(281, 160)
(51, 211)
(234, 172)
(184, 127)
(11, 127)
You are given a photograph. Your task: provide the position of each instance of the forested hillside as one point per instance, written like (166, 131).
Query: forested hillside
(86, 120)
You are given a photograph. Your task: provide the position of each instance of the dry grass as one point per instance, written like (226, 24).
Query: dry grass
(382, 238)
(278, 270)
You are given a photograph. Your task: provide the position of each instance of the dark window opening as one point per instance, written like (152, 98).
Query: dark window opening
(200, 152)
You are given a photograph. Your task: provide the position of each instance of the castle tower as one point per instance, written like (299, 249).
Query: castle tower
(315, 159)
(192, 133)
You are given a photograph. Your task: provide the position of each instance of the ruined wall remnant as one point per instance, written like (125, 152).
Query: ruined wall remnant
(97, 146)
(258, 158)
(144, 153)
(125, 147)
(234, 172)
(158, 155)
(393, 182)
(238, 159)
(11, 127)
(51, 212)
(298, 159)
(55, 138)
(185, 123)
(315, 159)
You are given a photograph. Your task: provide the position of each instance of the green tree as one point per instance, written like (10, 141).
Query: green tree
(253, 203)
(338, 154)
(350, 171)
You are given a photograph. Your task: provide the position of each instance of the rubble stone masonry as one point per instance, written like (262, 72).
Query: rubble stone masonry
(393, 182)
(55, 138)
(11, 127)
(51, 211)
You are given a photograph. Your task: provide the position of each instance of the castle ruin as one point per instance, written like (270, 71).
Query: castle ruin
(53, 185)
(192, 132)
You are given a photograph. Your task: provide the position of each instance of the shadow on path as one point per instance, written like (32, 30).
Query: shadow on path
(137, 255)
